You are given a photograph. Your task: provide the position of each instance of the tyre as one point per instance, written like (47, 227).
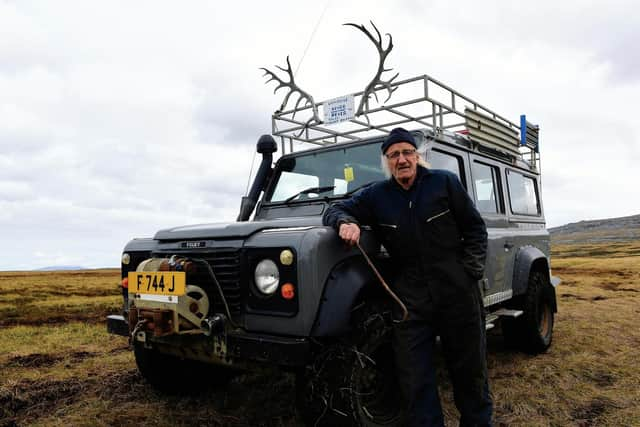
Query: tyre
(172, 375)
(320, 388)
(533, 330)
(374, 392)
(354, 382)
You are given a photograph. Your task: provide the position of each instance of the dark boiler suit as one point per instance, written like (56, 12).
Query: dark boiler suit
(438, 241)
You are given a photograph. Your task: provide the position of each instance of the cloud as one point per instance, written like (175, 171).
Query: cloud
(119, 119)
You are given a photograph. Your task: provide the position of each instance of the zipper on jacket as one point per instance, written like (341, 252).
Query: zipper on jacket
(438, 215)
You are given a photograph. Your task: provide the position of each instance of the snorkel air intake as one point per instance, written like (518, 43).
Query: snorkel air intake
(266, 146)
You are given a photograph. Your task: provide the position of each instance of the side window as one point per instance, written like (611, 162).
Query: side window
(441, 160)
(523, 194)
(485, 180)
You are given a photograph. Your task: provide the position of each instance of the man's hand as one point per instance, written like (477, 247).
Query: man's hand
(350, 233)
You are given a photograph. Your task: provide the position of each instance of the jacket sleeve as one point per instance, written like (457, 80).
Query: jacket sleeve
(471, 226)
(356, 210)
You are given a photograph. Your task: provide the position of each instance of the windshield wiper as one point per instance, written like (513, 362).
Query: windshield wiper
(360, 187)
(316, 190)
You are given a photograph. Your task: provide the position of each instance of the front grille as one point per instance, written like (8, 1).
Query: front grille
(225, 264)
(226, 267)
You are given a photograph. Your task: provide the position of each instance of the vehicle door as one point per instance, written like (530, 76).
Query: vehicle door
(525, 212)
(488, 194)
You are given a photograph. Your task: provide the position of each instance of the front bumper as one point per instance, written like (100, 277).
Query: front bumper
(270, 349)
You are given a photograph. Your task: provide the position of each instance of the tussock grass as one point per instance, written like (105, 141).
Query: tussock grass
(624, 249)
(36, 298)
(599, 236)
(71, 372)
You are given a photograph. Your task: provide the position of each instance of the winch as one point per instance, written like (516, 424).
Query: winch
(162, 302)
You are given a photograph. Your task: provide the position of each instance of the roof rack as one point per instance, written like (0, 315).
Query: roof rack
(418, 103)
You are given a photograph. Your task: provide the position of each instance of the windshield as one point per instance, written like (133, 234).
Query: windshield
(344, 169)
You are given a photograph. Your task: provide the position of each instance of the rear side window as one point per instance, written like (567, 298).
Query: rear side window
(523, 194)
(440, 160)
(486, 182)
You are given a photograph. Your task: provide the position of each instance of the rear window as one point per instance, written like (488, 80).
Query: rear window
(485, 180)
(523, 194)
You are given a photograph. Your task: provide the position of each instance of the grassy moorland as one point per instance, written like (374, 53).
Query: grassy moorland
(59, 367)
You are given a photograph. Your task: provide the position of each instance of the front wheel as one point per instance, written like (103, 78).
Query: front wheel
(374, 389)
(354, 382)
(533, 330)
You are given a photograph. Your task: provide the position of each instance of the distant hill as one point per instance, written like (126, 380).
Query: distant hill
(600, 230)
(61, 267)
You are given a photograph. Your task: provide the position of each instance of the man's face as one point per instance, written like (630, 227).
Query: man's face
(403, 167)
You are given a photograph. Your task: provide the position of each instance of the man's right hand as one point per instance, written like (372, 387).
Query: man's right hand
(349, 232)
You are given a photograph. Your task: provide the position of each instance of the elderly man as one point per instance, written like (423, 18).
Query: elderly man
(438, 241)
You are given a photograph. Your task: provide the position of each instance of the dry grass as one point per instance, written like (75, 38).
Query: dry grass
(596, 250)
(616, 232)
(58, 366)
(36, 298)
(590, 376)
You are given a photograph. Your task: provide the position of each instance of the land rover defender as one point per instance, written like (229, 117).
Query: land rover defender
(277, 288)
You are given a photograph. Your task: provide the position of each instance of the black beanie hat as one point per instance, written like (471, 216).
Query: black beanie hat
(398, 135)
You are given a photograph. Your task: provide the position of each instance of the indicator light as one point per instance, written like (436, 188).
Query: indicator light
(286, 257)
(288, 291)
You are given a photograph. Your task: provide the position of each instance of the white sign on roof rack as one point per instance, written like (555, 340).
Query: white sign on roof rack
(339, 109)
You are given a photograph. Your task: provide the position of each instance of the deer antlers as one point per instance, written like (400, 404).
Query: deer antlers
(293, 87)
(376, 83)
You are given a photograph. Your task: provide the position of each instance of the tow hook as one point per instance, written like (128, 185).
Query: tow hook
(213, 325)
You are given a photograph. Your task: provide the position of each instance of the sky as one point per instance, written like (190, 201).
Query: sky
(121, 118)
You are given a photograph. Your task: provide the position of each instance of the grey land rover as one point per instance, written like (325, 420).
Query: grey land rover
(277, 288)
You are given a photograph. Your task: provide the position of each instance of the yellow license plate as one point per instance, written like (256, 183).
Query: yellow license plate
(157, 282)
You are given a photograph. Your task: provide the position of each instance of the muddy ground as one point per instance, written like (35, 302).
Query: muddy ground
(58, 366)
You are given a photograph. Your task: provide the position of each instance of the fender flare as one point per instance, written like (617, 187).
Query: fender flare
(345, 283)
(526, 258)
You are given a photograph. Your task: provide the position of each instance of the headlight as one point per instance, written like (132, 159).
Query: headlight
(126, 259)
(267, 276)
